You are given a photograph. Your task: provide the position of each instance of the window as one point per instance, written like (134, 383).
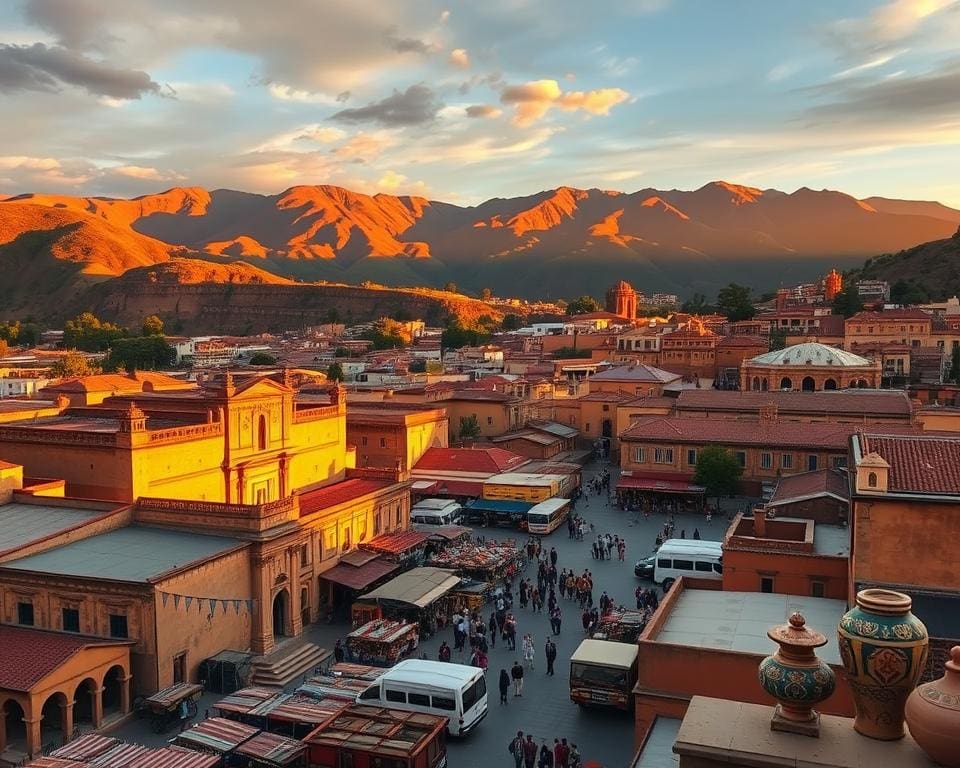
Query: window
(442, 702)
(786, 461)
(346, 539)
(741, 458)
(817, 589)
(766, 461)
(872, 479)
(664, 562)
(377, 524)
(398, 515)
(718, 567)
(692, 457)
(766, 584)
(304, 554)
(118, 625)
(704, 567)
(373, 692)
(663, 456)
(363, 440)
(71, 620)
(383, 442)
(397, 696)
(420, 699)
(811, 462)
(25, 614)
(180, 668)
(262, 434)
(639, 455)
(606, 407)
(683, 565)
(489, 421)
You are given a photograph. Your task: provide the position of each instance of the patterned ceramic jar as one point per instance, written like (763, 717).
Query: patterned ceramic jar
(933, 714)
(884, 651)
(796, 677)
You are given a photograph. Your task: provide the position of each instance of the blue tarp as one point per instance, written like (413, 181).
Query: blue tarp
(498, 506)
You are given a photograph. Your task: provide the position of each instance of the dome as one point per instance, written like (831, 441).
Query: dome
(811, 353)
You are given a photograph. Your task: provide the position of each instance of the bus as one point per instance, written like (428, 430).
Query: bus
(603, 673)
(548, 515)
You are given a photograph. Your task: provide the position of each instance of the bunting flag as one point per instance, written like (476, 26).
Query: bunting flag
(176, 601)
(236, 606)
(164, 596)
(213, 605)
(224, 604)
(189, 601)
(207, 603)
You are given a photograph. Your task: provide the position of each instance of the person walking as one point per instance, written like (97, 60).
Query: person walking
(561, 754)
(516, 674)
(555, 619)
(550, 650)
(516, 749)
(493, 629)
(529, 752)
(528, 650)
(546, 757)
(338, 653)
(444, 653)
(575, 759)
(553, 556)
(696, 533)
(504, 685)
(510, 629)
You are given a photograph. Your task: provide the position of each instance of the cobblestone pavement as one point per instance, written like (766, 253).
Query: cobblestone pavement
(545, 709)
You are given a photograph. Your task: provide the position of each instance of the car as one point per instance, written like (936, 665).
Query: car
(644, 568)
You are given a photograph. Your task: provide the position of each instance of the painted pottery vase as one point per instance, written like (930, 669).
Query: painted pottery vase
(796, 677)
(884, 651)
(933, 715)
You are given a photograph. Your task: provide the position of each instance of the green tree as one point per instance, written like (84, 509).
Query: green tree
(10, 330)
(28, 335)
(511, 322)
(954, 374)
(848, 301)
(334, 372)
(152, 326)
(778, 338)
(696, 305)
(262, 358)
(333, 316)
(450, 287)
(140, 353)
(418, 365)
(582, 306)
(486, 294)
(388, 334)
(455, 336)
(735, 302)
(72, 365)
(718, 471)
(908, 292)
(341, 352)
(469, 428)
(88, 333)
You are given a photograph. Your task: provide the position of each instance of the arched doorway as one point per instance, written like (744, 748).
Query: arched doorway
(52, 733)
(113, 692)
(16, 729)
(304, 605)
(785, 383)
(763, 385)
(607, 428)
(83, 703)
(808, 384)
(862, 384)
(281, 612)
(756, 384)
(830, 385)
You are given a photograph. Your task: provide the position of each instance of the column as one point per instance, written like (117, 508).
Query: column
(96, 706)
(125, 694)
(296, 620)
(34, 741)
(261, 629)
(3, 729)
(66, 720)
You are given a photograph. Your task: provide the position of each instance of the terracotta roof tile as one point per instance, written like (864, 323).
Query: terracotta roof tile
(636, 373)
(490, 460)
(849, 403)
(339, 493)
(811, 484)
(904, 313)
(918, 463)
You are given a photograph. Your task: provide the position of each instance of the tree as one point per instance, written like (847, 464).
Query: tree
(455, 336)
(848, 301)
(152, 326)
(486, 294)
(88, 333)
(388, 334)
(735, 302)
(341, 352)
(469, 428)
(511, 322)
(418, 365)
(140, 353)
(450, 287)
(718, 471)
(778, 338)
(72, 365)
(334, 372)
(696, 305)
(954, 374)
(262, 358)
(582, 306)
(10, 330)
(908, 292)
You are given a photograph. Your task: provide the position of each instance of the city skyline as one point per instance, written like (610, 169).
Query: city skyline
(464, 104)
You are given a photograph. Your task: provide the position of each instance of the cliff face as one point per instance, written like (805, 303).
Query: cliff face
(934, 267)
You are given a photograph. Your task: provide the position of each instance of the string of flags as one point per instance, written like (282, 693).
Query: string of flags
(210, 603)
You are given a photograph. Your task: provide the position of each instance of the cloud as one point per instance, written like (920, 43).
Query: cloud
(534, 99)
(460, 58)
(886, 27)
(283, 92)
(202, 92)
(27, 172)
(365, 147)
(391, 180)
(782, 71)
(39, 67)
(483, 110)
(415, 106)
(408, 44)
(877, 61)
(145, 173)
(18, 162)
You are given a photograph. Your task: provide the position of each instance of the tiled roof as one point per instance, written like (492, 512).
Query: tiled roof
(636, 373)
(482, 394)
(491, 460)
(29, 655)
(339, 493)
(918, 463)
(397, 542)
(115, 382)
(735, 432)
(822, 482)
(742, 341)
(841, 402)
(905, 313)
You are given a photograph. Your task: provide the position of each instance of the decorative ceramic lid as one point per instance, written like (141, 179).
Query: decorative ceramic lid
(795, 634)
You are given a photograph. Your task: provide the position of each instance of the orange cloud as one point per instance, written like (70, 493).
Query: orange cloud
(483, 110)
(534, 99)
(460, 58)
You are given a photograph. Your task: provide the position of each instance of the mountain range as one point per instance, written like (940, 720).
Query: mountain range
(557, 243)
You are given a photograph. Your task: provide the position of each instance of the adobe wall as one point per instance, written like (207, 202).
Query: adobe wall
(791, 574)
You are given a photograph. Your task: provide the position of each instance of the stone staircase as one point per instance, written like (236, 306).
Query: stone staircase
(289, 661)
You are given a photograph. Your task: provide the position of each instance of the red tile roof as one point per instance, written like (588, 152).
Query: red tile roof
(918, 463)
(115, 382)
(339, 493)
(636, 373)
(397, 542)
(29, 655)
(743, 341)
(842, 403)
(361, 576)
(735, 432)
(490, 460)
(822, 482)
(904, 313)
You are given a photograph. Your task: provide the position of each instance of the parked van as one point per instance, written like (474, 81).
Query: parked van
(455, 691)
(688, 557)
(436, 512)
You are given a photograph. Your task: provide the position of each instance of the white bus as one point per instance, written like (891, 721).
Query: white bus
(456, 691)
(548, 515)
(436, 512)
(688, 557)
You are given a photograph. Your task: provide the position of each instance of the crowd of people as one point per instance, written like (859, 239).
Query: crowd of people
(526, 753)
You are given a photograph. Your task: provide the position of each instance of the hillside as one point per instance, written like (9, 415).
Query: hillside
(199, 297)
(555, 243)
(933, 266)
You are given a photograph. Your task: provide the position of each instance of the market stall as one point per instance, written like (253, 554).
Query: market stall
(356, 671)
(239, 703)
(120, 756)
(489, 562)
(621, 626)
(383, 641)
(419, 595)
(176, 757)
(85, 748)
(328, 687)
(216, 735)
(269, 750)
(403, 547)
(168, 706)
(470, 596)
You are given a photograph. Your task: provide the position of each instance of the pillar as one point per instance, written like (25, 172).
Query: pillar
(295, 619)
(125, 694)
(261, 629)
(96, 706)
(3, 729)
(66, 720)
(34, 741)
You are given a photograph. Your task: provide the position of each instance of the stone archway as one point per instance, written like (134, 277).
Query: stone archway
(113, 686)
(829, 385)
(55, 725)
(756, 384)
(763, 385)
(862, 384)
(83, 706)
(786, 383)
(808, 384)
(14, 736)
(281, 613)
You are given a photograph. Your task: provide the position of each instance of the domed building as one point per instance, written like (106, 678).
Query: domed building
(809, 367)
(622, 300)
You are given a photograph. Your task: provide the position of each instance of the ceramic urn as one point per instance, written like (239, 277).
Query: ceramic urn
(933, 715)
(884, 651)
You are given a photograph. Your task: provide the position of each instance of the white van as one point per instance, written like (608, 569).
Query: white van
(688, 557)
(455, 691)
(436, 512)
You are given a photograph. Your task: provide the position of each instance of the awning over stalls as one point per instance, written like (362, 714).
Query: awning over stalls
(396, 542)
(658, 484)
(417, 587)
(217, 734)
(362, 576)
(273, 749)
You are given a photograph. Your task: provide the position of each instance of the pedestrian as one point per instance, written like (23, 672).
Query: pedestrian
(504, 685)
(529, 752)
(561, 754)
(575, 759)
(338, 651)
(523, 593)
(555, 618)
(550, 650)
(696, 533)
(537, 601)
(528, 650)
(493, 629)
(444, 653)
(683, 533)
(184, 715)
(511, 633)
(516, 749)
(553, 556)
(546, 757)
(516, 674)
(562, 583)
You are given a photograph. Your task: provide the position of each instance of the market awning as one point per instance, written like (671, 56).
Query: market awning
(658, 484)
(359, 577)
(418, 587)
(271, 748)
(397, 542)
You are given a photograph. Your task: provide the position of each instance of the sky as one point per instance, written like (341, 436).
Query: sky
(464, 101)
